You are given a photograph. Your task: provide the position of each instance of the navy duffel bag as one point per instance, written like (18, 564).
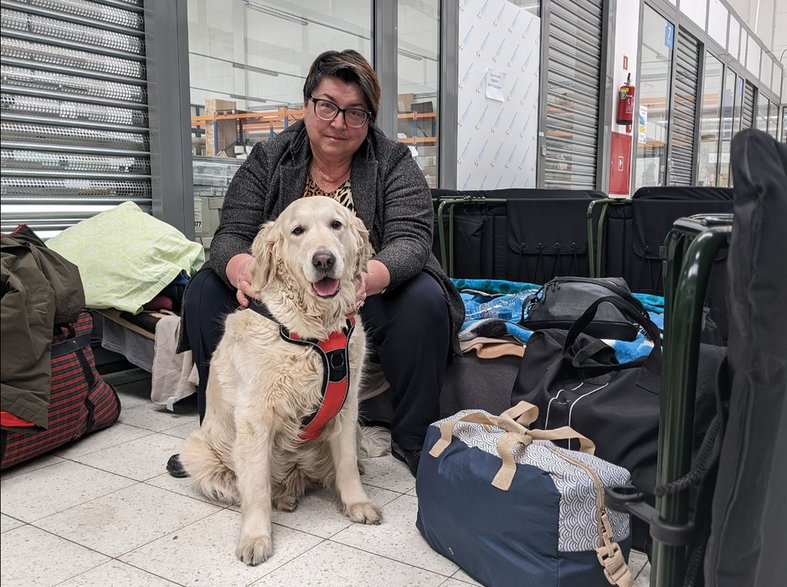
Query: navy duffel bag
(512, 508)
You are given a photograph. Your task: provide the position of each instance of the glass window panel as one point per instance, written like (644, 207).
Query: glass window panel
(761, 113)
(728, 107)
(531, 6)
(740, 85)
(654, 88)
(734, 37)
(717, 22)
(773, 119)
(784, 124)
(708, 158)
(753, 56)
(249, 59)
(743, 45)
(418, 85)
(695, 10)
(776, 78)
(765, 69)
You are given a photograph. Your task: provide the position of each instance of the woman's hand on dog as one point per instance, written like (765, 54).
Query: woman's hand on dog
(368, 283)
(239, 274)
(361, 281)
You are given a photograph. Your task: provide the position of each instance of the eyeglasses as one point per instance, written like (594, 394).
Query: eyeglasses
(327, 110)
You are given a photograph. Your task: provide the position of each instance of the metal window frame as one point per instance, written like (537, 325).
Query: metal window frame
(449, 95)
(660, 11)
(385, 19)
(712, 52)
(607, 103)
(166, 38)
(671, 12)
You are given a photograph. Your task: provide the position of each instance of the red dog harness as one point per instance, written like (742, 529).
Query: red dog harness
(335, 374)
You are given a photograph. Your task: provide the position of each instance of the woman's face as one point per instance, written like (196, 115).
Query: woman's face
(333, 139)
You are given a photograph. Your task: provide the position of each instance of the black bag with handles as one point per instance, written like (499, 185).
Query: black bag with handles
(562, 300)
(576, 380)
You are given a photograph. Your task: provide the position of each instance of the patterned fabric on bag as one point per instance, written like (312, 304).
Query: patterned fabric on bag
(80, 402)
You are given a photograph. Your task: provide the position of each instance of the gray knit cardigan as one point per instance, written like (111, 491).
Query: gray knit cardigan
(390, 195)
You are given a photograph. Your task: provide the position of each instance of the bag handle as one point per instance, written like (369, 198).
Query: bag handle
(624, 306)
(588, 351)
(516, 432)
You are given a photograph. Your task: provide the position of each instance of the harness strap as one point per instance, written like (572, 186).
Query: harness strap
(336, 373)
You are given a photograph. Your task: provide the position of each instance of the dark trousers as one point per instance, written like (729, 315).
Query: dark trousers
(408, 330)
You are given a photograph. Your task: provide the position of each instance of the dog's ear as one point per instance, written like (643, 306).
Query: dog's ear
(264, 249)
(362, 244)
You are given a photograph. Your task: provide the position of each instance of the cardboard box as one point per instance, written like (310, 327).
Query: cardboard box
(405, 102)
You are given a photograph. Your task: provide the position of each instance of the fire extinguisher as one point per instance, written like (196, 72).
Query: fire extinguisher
(625, 110)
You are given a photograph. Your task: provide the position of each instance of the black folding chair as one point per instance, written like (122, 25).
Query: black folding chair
(528, 235)
(735, 534)
(626, 239)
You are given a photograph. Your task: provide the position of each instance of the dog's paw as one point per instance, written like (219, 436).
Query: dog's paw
(364, 512)
(220, 494)
(220, 486)
(254, 551)
(288, 503)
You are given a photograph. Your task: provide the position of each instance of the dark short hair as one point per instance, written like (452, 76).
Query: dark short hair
(350, 67)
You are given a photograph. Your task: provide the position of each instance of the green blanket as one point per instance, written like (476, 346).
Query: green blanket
(126, 256)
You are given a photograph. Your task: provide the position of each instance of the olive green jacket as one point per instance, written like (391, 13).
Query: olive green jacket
(40, 289)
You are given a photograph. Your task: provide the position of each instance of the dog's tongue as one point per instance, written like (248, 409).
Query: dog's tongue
(326, 287)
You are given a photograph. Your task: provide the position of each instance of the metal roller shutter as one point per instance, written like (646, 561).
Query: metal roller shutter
(684, 109)
(570, 146)
(75, 137)
(747, 116)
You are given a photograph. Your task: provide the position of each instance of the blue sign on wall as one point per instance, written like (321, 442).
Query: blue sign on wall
(669, 35)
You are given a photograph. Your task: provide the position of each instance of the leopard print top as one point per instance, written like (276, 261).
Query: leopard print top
(343, 194)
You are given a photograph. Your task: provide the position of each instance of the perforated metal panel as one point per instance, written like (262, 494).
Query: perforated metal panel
(747, 114)
(684, 110)
(569, 154)
(75, 138)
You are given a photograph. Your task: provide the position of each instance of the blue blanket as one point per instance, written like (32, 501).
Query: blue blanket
(493, 308)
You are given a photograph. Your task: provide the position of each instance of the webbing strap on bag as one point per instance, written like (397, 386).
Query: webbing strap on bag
(513, 422)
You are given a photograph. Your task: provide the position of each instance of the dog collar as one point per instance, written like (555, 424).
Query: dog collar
(335, 374)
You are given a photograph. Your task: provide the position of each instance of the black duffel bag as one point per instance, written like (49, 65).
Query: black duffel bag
(577, 381)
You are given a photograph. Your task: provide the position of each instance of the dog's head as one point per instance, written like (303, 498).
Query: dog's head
(313, 250)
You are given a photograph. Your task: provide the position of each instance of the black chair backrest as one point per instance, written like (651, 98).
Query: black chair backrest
(527, 235)
(633, 243)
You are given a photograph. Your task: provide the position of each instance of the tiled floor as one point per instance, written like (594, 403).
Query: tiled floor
(103, 511)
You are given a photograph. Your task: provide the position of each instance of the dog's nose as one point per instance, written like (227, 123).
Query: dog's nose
(323, 260)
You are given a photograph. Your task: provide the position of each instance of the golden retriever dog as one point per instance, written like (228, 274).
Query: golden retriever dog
(263, 387)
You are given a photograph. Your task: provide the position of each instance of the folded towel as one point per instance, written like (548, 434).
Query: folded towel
(172, 376)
